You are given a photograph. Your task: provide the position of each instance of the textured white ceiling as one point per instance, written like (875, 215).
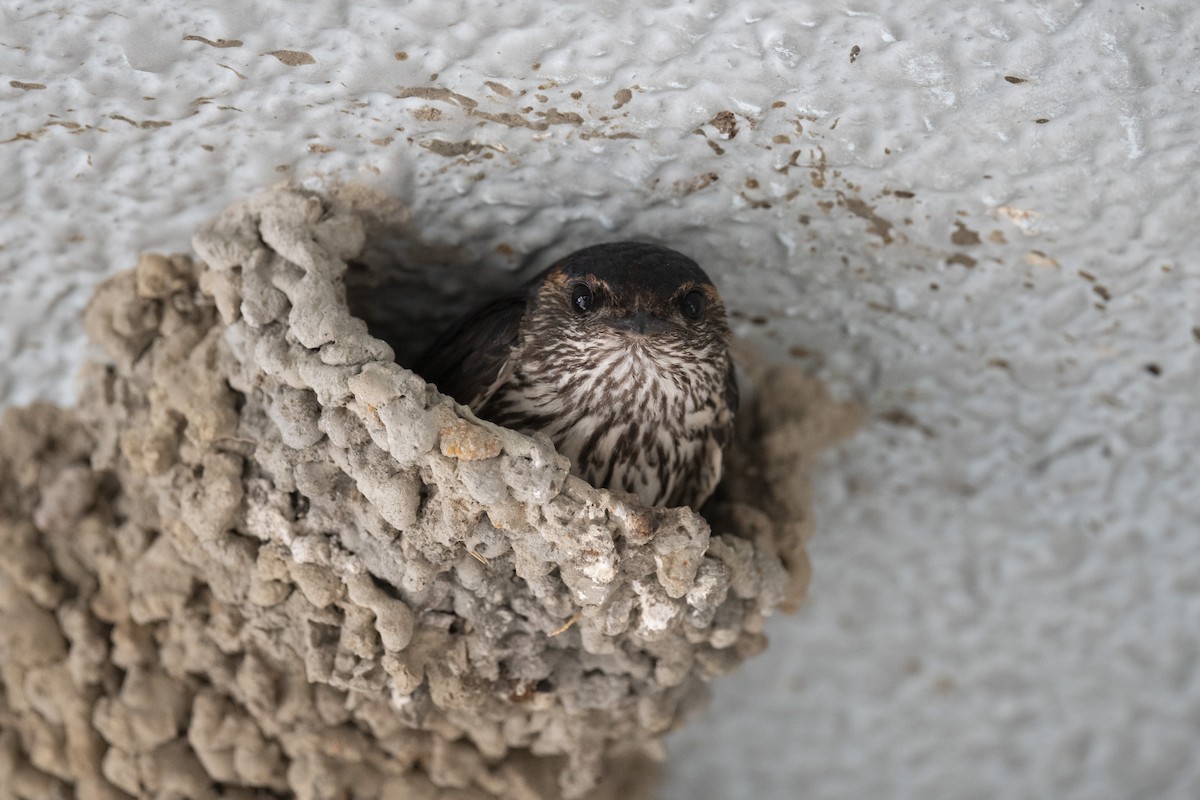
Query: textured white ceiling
(978, 219)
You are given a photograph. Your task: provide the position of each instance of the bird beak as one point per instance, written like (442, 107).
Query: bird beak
(641, 323)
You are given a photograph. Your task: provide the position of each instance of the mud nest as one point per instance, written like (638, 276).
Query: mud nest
(259, 558)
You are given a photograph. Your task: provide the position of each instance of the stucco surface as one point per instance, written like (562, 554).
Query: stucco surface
(978, 220)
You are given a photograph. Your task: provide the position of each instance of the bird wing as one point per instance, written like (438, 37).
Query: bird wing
(467, 359)
(731, 390)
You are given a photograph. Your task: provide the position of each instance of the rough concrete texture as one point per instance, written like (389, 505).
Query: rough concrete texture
(263, 556)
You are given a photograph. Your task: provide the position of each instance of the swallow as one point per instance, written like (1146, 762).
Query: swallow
(619, 353)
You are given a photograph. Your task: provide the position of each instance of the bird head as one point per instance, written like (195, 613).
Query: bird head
(630, 297)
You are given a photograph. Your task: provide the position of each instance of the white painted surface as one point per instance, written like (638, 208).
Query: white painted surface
(1006, 597)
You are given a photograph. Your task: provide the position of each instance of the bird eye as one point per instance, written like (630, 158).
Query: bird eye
(582, 298)
(692, 304)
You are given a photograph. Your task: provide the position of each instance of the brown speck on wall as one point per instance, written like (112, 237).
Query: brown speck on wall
(725, 123)
(964, 236)
(293, 58)
(220, 43)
